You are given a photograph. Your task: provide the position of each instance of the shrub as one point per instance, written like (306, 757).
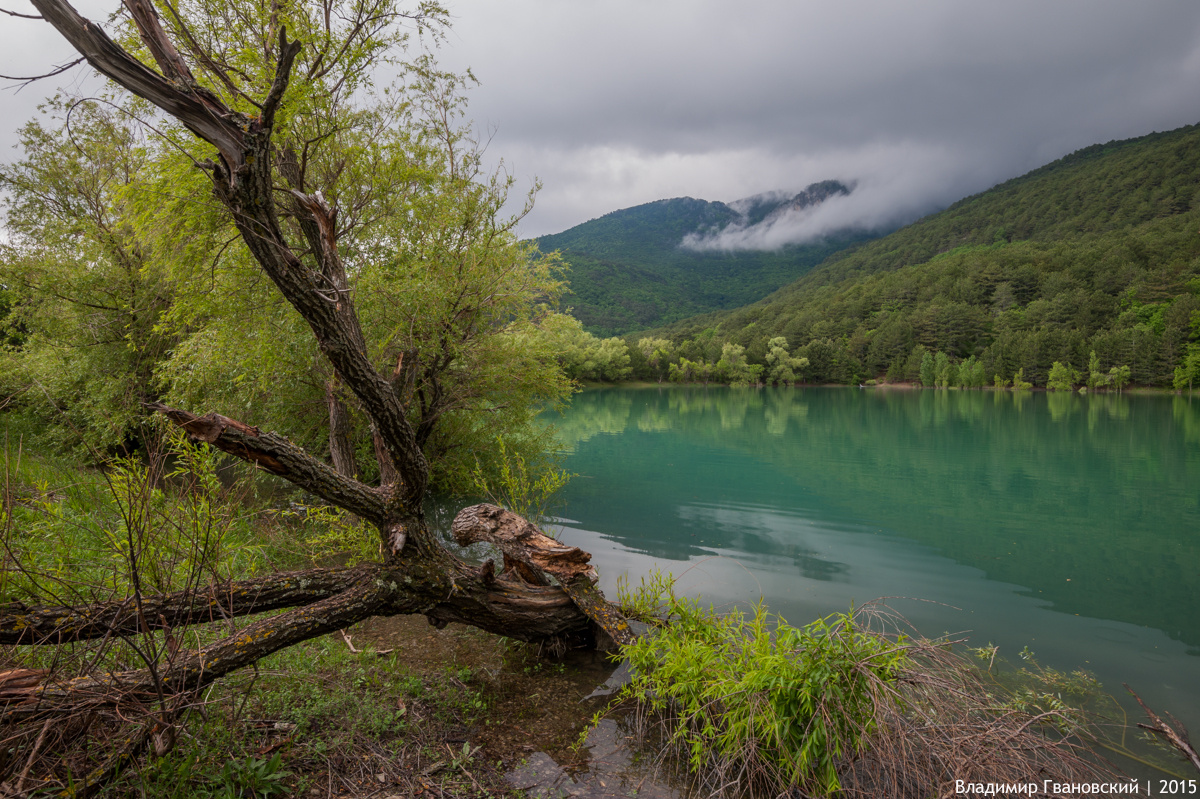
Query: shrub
(752, 692)
(846, 705)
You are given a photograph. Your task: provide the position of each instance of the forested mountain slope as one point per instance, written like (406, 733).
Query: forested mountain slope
(629, 272)
(1099, 251)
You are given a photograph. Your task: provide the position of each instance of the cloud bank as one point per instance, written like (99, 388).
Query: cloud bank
(619, 103)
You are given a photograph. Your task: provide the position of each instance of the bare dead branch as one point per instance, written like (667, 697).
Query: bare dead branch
(522, 542)
(198, 110)
(22, 16)
(350, 645)
(160, 45)
(51, 74)
(194, 670)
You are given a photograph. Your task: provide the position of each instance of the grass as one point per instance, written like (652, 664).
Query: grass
(313, 716)
(849, 705)
(321, 717)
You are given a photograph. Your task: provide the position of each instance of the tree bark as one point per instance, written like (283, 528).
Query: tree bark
(341, 450)
(46, 624)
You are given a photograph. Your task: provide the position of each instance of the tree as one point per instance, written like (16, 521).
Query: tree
(83, 289)
(928, 370)
(1062, 377)
(1119, 376)
(584, 356)
(781, 365)
(1187, 374)
(945, 373)
(658, 352)
(733, 367)
(1096, 378)
(260, 151)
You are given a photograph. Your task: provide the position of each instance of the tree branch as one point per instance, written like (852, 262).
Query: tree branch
(22, 16)
(283, 72)
(1178, 738)
(277, 455)
(58, 624)
(195, 670)
(57, 71)
(505, 607)
(155, 38)
(199, 111)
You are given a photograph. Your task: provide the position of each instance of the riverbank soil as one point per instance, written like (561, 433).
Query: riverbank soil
(400, 709)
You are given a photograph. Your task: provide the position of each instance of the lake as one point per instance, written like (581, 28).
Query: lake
(1063, 523)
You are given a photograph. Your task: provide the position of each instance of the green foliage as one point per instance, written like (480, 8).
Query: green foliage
(527, 489)
(125, 285)
(972, 373)
(581, 355)
(944, 371)
(130, 525)
(1188, 372)
(657, 352)
(782, 366)
(1096, 378)
(328, 532)
(691, 371)
(1062, 377)
(1068, 699)
(928, 369)
(1018, 381)
(733, 367)
(83, 299)
(1119, 377)
(252, 778)
(754, 690)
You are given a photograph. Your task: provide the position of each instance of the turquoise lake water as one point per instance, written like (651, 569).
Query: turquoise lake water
(1063, 523)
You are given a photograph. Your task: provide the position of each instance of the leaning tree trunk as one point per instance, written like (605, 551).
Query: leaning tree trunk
(551, 594)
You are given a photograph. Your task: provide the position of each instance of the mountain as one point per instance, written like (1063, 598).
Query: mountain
(630, 270)
(1096, 252)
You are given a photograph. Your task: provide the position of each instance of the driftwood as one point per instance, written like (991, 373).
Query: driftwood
(529, 548)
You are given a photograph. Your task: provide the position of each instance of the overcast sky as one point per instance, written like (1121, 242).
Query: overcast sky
(917, 103)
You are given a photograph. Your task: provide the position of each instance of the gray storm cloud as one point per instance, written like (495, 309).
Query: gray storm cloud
(920, 103)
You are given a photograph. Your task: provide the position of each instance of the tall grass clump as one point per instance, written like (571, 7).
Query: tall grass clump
(748, 705)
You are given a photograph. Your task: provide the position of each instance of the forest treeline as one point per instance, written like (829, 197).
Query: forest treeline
(1091, 263)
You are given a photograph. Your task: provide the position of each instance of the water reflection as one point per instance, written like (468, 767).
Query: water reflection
(1042, 515)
